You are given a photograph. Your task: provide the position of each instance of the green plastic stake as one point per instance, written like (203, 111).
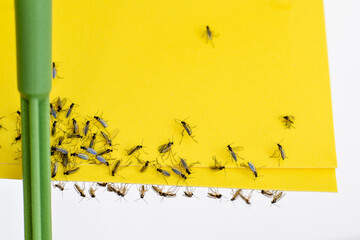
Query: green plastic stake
(33, 41)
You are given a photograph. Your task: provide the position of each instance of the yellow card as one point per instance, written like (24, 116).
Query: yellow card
(142, 65)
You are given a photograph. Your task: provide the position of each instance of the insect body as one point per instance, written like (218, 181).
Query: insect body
(92, 141)
(282, 152)
(252, 167)
(55, 169)
(232, 152)
(277, 196)
(179, 173)
(163, 172)
(142, 190)
(80, 155)
(214, 193)
(74, 136)
(235, 194)
(102, 184)
(52, 111)
(101, 121)
(92, 191)
(69, 111)
(53, 128)
(65, 159)
(60, 150)
(267, 193)
(86, 128)
(89, 150)
(80, 190)
(165, 147)
(288, 121)
(60, 186)
(75, 126)
(109, 139)
(102, 160)
(134, 150)
(189, 192)
(217, 165)
(60, 104)
(186, 128)
(106, 151)
(72, 171)
(144, 163)
(246, 199)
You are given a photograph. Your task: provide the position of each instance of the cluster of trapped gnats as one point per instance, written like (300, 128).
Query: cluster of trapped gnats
(121, 190)
(76, 139)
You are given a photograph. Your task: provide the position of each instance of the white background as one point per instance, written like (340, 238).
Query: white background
(301, 215)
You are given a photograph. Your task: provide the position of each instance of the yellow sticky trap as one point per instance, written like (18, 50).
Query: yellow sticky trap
(145, 64)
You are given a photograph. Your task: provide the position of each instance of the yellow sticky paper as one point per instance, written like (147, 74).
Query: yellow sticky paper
(145, 64)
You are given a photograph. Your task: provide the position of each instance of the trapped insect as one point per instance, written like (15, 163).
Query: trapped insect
(122, 190)
(102, 184)
(102, 160)
(165, 148)
(189, 192)
(158, 190)
(55, 71)
(235, 194)
(53, 128)
(109, 139)
(92, 141)
(267, 193)
(142, 190)
(72, 171)
(74, 136)
(186, 128)
(60, 150)
(106, 151)
(55, 170)
(144, 163)
(86, 128)
(246, 199)
(80, 190)
(92, 192)
(277, 196)
(64, 159)
(52, 111)
(60, 104)
(252, 167)
(118, 166)
(218, 166)
(279, 153)
(171, 192)
(69, 111)
(75, 126)
(187, 167)
(232, 152)
(89, 150)
(101, 121)
(60, 186)
(80, 155)
(214, 193)
(209, 34)
(179, 173)
(288, 121)
(18, 138)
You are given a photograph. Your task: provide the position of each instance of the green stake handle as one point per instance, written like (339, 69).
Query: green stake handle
(33, 41)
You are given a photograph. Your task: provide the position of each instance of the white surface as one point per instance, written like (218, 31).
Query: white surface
(301, 215)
